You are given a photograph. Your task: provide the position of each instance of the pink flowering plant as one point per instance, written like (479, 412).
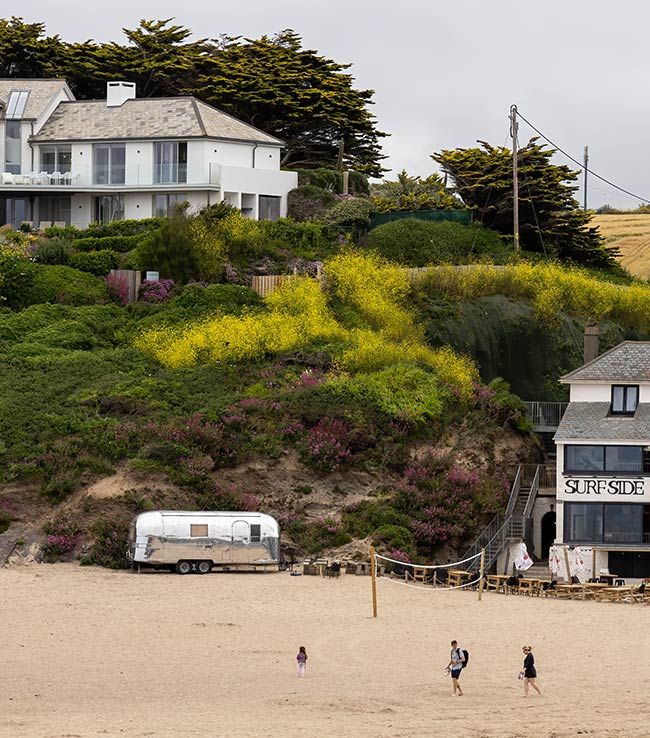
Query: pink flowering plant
(63, 536)
(156, 291)
(324, 447)
(118, 288)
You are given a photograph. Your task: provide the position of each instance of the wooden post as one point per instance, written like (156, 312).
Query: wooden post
(482, 568)
(373, 577)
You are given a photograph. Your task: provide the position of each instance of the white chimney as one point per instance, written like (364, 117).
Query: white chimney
(117, 93)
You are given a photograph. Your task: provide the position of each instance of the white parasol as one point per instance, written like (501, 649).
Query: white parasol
(553, 561)
(577, 564)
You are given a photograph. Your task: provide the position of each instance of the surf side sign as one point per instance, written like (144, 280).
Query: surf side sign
(612, 489)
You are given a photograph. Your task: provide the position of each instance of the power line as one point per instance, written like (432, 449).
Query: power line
(580, 164)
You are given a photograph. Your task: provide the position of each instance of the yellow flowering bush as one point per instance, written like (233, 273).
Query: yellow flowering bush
(551, 288)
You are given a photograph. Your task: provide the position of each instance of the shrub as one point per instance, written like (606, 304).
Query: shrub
(5, 520)
(224, 297)
(65, 285)
(157, 291)
(96, 262)
(417, 243)
(118, 288)
(362, 518)
(309, 202)
(121, 244)
(309, 240)
(322, 177)
(16, 280)
(394, 537)
(52, 251)
(324, 447)
(170, 250)
(120, 228)
(353, 212)
(63, 536)
(65, 233)
(209, 247)
(109, 544)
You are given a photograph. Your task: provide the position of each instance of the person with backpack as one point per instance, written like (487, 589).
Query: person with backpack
(457, 662)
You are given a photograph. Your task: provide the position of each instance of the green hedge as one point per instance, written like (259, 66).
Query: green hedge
(121, 244)
(417, 243)
(95, 262)
(65, 285)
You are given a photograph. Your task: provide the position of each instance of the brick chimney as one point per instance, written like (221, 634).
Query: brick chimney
(591, 343)
(117, 93)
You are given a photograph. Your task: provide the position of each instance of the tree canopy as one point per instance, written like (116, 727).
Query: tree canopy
(273, 83)
(412, 193)
(550, 218)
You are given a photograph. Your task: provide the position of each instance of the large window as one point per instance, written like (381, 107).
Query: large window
(269, 207)
(625, 399)
(54, 209)
(587, 522)
(109, 208)
(165, 204)
(13, 146)
(613, 459)
(110, 163)
(169, 162)
(56, 159)
(16, 104)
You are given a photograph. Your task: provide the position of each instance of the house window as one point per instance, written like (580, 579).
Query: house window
(269, 207)
(256, 533)
(110, 164)
(164, 205)
(613, 459)
(54, 209)
(625, 398)
(56, 159)
(109, 208)
(199, 531)
(169, 162)
(613, 523)
(16, 104)
(13, 146)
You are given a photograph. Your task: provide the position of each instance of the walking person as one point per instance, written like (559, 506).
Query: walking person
(301, 658)
(455, 666)
(529, 671)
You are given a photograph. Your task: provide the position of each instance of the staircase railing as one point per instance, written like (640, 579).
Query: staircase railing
(512, 527)
(514, 492)
(532, 494)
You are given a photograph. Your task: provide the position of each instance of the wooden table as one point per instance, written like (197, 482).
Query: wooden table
(530, 586)
(456, 577)
(569, 590)
(497, 582)
(614, 594)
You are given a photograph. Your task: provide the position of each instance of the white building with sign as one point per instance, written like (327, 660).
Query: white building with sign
(603, 465)
(74, 162)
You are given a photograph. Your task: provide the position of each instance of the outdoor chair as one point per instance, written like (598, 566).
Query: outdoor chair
(333, 571)
(6, 178)
(59, 224)
(55, 177)
(45, 224)
(619, 582)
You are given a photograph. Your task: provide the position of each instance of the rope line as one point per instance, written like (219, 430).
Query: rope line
(417, 586)
(423, 566)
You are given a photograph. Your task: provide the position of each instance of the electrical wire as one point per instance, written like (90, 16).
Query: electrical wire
(581, 164)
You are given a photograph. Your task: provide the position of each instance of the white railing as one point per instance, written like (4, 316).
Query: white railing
(545, 414)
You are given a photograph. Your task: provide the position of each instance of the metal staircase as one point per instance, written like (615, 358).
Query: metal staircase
(514, 524)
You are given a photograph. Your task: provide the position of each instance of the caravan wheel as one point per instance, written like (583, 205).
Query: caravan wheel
(204, 567)
(183, 567)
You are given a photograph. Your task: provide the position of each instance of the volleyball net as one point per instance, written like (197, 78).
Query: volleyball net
(427, 576)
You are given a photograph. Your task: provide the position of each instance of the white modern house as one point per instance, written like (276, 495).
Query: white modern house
(603, 464)
(82, 161)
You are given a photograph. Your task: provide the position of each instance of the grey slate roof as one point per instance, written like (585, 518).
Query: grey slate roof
(41, 91)
(590, 421)
(629, 362)
(146, 117)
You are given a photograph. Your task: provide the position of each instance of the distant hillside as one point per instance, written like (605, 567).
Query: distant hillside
(631, 233)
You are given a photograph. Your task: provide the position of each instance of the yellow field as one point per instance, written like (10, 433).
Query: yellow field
(631, 233)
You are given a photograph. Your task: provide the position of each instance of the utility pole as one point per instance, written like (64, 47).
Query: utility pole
(515, 179)
(586, 160)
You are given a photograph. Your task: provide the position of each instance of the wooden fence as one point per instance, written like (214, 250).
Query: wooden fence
(132, 279)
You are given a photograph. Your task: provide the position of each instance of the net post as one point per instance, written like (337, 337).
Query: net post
(373, 577)
(482, 573)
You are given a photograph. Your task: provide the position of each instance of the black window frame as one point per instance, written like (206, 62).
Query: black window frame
(625, 388)
(601, 539)
(256, 533)
(644, 468)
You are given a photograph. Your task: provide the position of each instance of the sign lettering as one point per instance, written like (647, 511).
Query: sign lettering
(602, 489)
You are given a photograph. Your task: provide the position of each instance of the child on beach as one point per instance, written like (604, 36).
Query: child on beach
(301, 658)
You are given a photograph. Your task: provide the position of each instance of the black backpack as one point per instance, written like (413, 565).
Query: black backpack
(466, 655)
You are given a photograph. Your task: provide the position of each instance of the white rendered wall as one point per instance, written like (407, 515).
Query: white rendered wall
(267, 157)
(138, 205)
(602, 392)
(81, 210)
(139, 164)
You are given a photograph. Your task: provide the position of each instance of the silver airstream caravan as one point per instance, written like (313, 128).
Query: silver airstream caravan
(198, 541)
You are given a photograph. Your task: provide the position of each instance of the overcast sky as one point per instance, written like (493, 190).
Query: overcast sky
(446, 73)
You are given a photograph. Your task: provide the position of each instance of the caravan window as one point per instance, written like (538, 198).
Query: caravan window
(256, 533)
(198, 531)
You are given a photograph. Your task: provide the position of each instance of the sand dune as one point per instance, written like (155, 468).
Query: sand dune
(89, 652)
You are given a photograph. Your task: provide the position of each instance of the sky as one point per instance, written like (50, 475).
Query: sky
(445, 73)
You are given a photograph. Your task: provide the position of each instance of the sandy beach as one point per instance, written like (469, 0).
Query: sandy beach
(91, 652)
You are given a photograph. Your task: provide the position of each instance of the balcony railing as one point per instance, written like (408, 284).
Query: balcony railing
(546, 416)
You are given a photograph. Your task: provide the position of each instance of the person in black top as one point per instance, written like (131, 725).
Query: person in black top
(529, 671)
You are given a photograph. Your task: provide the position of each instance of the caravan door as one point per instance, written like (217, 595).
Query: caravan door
(241, 538)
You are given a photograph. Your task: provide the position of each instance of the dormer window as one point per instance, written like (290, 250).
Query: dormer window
(625, 398)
